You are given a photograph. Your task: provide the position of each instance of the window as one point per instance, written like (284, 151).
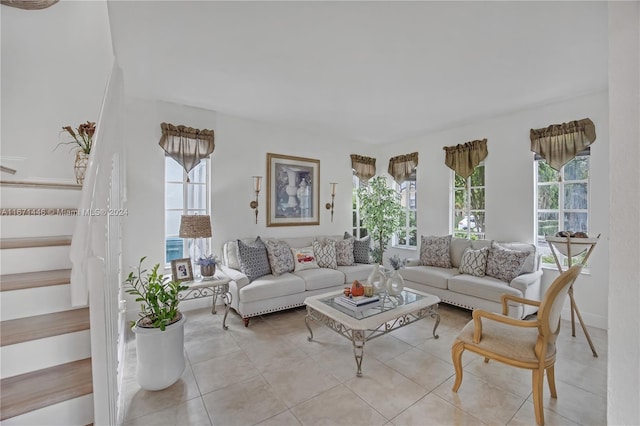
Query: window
(407, 236)
(358, 230)
(562, 200)
(468, 213)
(182, 197)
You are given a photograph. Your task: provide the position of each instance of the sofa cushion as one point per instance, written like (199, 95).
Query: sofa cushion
(280, 257)
(304, 258)
(269, 286)
(360, 248)
(344, 252)
(505, 264)
(457, 248)
(483, 287)
(319, 278)
(354, 272)
(435, 251)
(478, 244)
(474, 262)
(530, 263)
(428, 275)
(230, 255)
(325, 252)
(254, 261)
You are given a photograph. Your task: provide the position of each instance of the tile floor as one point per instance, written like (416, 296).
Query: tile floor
(269, 374)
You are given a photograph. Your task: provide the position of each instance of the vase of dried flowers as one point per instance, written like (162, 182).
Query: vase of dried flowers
(83, 141)
(80, 166)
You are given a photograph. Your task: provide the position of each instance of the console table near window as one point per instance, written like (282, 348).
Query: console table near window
(217, 286)
(572, 247)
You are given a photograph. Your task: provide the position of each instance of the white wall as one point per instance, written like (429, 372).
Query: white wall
(55, 65)
(509, 175)
(623, 388)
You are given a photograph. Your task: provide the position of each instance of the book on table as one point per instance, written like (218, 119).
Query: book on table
(358, 303)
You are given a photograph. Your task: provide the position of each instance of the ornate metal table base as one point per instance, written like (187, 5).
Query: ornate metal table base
(360, 337)
(201, 289)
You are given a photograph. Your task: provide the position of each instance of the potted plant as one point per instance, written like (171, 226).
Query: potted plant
(208, 265)
(83, 141)
(381, 213)
(160, 328)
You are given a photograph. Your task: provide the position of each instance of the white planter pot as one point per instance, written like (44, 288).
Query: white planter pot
(160, 355)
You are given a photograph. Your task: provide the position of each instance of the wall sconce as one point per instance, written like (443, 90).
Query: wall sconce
(257, 183)
(329, 206)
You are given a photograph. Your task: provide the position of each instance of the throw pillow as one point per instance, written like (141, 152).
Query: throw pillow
(325, 252)
(280, 257)
(360, 248)
(434, 251)
(344, 252)
(505, 264)
(474, 262)
(530, 264)
(304, 258)
(254, 261)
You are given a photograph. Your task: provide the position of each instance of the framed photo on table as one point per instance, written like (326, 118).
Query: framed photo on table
(181, 269)
(293, 190)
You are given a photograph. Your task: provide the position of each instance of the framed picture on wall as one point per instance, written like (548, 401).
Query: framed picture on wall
(293, 190)
(181, 269)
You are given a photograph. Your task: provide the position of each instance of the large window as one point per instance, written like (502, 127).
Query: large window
(407, 236)
(468, 212)
(184, 196)
(358, 230)
(562, 200)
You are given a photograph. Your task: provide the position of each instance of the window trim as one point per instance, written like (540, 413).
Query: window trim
(356, 228)
(407, 228)
(452, 205)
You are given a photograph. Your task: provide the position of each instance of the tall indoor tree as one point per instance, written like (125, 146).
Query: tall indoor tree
(381, 213)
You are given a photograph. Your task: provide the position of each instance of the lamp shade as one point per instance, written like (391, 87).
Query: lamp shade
(195, 226)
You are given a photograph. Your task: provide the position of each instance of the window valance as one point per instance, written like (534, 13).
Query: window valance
(463, 158)
(365, 167)
(186, 145)
(402, 166)
(560, 143)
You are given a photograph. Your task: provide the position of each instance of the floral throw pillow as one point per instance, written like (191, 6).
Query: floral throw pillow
(505, 264)
(325, 252)
(280, 257)
(344, 252)
(304, 258)
(254, 261)
(474, 262)
(434, 251)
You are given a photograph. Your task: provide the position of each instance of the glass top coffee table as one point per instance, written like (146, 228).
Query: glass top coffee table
(361, 326)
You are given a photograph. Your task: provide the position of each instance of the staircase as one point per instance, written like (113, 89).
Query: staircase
(45, 350)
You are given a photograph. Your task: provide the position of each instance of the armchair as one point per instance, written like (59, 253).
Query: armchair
(519, 343)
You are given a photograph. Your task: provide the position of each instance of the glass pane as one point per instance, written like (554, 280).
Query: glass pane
(196, 196)
(199, 173)
(575, 196)
(174, 194)
(577, 169)
(413, 237)
(546, 173)
(354, 222)
(413, 219)
(547, 223)
(173, 170)
(575, 222)
(363, 232)
(548, 197)
(459, 199)
(173, 223)
(477, 221)
(174, 249)
(477, 199)
(477, 178)
(459, 182)
(401, 238)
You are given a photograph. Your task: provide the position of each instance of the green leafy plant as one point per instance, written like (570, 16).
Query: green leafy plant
(158, 294)
(381, 213)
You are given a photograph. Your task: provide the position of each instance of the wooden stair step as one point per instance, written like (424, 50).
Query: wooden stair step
(26, 280)
(12, 243)
(38, 389)
(41, 326)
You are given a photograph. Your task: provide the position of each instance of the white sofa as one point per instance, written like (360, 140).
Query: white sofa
(473, 292)
(271, 293)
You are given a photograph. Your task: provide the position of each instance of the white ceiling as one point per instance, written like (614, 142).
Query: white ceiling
(369, 71)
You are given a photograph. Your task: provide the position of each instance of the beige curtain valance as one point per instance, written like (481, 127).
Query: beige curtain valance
(365, 167)
(186, 145)
(463, 158)
(402, 166)
(560, 143)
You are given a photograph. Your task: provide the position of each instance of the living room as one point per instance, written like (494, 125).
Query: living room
(242, 144)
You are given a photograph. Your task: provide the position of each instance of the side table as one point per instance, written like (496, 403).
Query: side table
(218, 285)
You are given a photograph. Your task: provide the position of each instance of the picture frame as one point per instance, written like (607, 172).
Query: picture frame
(181, 269)
(293, 190)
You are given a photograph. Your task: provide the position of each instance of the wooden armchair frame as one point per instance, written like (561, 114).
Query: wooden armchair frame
(541, 359)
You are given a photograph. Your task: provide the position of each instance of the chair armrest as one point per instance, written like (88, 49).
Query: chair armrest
(506, 297)
(235, 275)
(522, 282)
(478, 314)
(412, 261)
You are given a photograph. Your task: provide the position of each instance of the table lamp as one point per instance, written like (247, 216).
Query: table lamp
(195, 226)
